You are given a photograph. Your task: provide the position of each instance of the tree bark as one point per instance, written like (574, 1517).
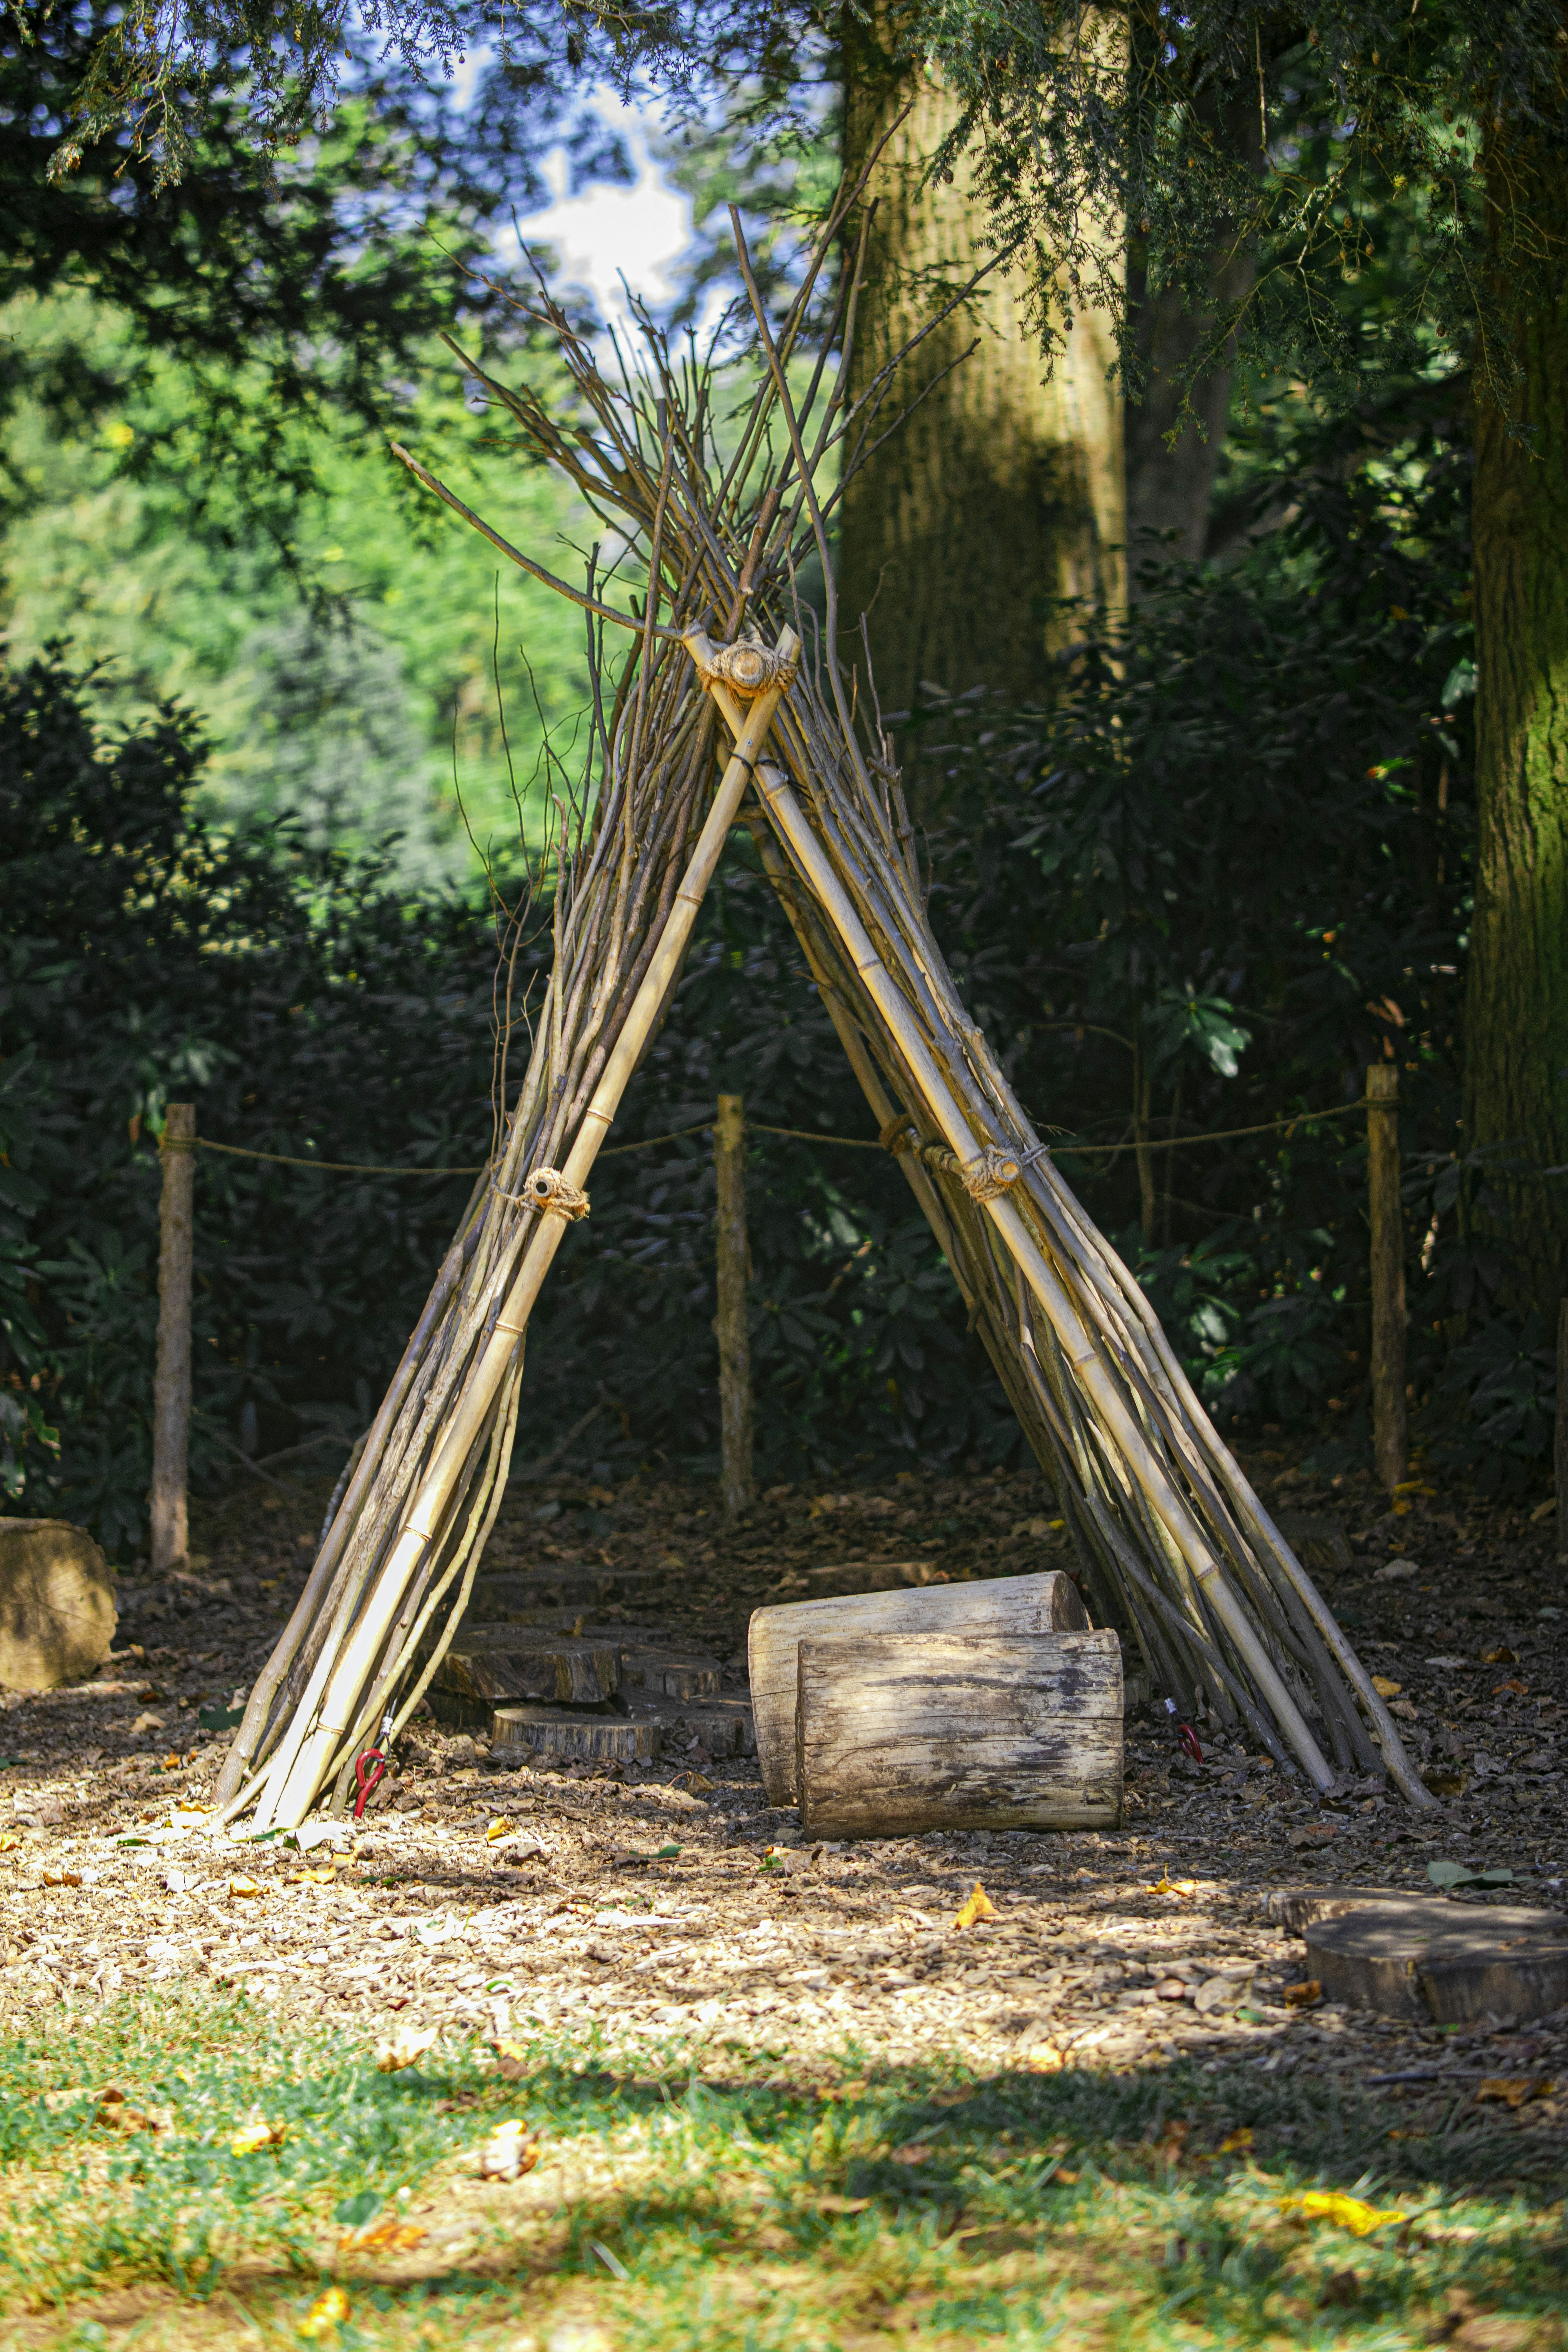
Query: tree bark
(171, 1381)
(1002, 492)
(1390, 1449)
(730, 1323)
(1516, 1015)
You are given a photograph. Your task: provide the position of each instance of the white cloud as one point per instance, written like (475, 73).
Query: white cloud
(610, 232)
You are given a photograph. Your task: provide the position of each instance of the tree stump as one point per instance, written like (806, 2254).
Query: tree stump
(498, 1665)
(553, 1736)
(1424, 1956)
(958, 1730)
(58, 1613)
(1008, 1605)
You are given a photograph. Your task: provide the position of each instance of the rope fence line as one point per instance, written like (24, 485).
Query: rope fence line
(757, 1127)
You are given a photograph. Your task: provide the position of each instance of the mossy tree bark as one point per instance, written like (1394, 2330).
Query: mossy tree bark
(1002, 492)
(1516, 1024)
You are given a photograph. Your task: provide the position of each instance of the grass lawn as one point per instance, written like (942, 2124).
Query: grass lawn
(700, 2199)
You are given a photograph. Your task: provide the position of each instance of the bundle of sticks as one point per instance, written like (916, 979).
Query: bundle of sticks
(1176, 1545)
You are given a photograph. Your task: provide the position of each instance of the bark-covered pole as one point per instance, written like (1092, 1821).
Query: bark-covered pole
(730, 1323)
(172, 1384)
(1561, 1464)
(1388, 1437)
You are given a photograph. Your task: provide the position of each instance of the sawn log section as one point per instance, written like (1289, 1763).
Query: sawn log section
(958, 1731)
(1004, 1605)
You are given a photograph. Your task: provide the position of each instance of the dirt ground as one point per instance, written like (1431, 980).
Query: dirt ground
(671, 1898)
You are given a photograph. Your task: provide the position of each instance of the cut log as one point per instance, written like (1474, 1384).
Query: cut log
(498, 1665)
(671, 1673)
(551, 1736)
(58, 1613)
(723, 1725)
(1008, 1605)
(1421, 1956)
(965, 1731)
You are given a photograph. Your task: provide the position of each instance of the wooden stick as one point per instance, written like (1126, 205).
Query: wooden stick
(313, 1749)
(730, 1323)
(1390, 1449)
(171, 1382)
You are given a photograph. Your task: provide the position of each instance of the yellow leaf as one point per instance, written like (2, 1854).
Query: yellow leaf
(244, 1886)
(1514, 2090)
(977, 1905)
(1305, 1995)
(8, 1844)
(407, 2047)
(253, 2136)
(1333, 2205)
(389, 2236)
(500, 1827)
(326, 1877)
(511, 2062)
(1184, 1887)
(326, 2314)
(1234, 2142)
(62, 1878)
(507, 2154)
(1384, 1688)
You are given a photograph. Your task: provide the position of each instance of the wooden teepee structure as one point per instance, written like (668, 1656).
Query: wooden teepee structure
(720, 715)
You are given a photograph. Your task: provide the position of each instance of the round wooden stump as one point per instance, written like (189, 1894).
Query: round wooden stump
(1425, 1957)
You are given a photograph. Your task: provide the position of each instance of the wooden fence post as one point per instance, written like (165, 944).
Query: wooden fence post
(1388, 1432)
(730, 1323)
(1561, 1464)
(171, 1386)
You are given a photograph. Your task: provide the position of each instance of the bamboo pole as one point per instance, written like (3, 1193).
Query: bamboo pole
(171, 1381)
(1388, 1420)
(300, 1766)
(730, 1322)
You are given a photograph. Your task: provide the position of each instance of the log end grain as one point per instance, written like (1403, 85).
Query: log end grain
(959, 1730)
(57, 1611)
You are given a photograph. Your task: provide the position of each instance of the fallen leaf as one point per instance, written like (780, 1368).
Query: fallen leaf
(1234, 2142)
(1396, 1570)
(1305, 1995)
(1047, 2060)
(1519, 1690)
(1185, 1887)
(977, 1905)
(327, 1875)
(507, 2154)
(62, 1878)
(1384, 1688)
(500, 1827)
(8, 1844)
(1501, 1657)
(833, 2203)
(407, 2047)
(511, 2062)
(1514, 2090)
(326, 2314)
(1313, 1834)
(244, 1888)
(1334, 2205)
(115, 2113)
(913, 2151)
(1446, 1784)
(253, 2136)
(382, 2237)
(146, 1721)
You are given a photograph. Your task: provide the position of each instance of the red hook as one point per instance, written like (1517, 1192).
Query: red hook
(1187, 1737)
(376, 1756)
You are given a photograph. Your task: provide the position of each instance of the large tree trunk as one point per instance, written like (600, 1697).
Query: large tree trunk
(1516, 1023)
(1002, 492)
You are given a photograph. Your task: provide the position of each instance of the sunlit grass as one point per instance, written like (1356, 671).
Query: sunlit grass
(753, 2203)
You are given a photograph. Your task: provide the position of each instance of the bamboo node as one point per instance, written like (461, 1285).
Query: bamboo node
(546, 1190)
(749, 667)
(995, 1172)
(899, 1134)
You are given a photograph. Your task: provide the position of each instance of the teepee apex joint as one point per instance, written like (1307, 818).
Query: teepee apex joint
(986, 1178)
(747, 667)
(546, 1191)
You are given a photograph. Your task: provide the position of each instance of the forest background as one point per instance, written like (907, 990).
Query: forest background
(274, 738)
